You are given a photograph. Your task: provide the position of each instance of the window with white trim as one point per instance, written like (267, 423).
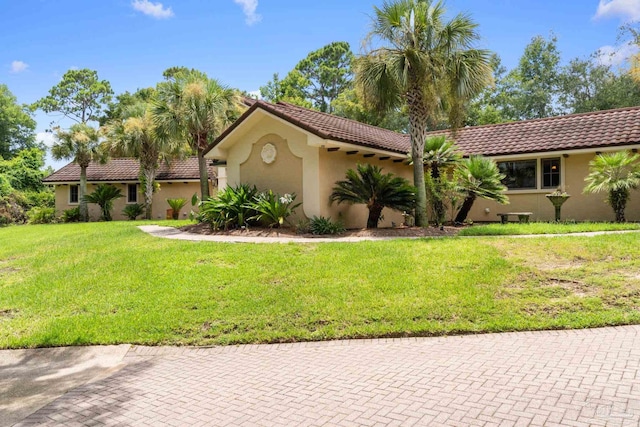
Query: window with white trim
(74, 194)
(132, 193)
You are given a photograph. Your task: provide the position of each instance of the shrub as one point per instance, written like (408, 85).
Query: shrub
(273, 209)
(176, 206)
(42, 215)
(132, 212)
(103, 196)
(71, 215)
(12, 211)
(320, 225)
(231, 208)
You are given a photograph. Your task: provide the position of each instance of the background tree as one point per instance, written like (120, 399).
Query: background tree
(290, 89)
(81, 144)
(616, 174)
(194, 108)
(17, 127)
(134, 135)
(425, 63)
(327, 72)
(479, 177)
(369, 186)
(79, 96)
(350, 105)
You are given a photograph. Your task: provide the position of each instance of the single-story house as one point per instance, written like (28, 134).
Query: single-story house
(178, 179)
(291, 149)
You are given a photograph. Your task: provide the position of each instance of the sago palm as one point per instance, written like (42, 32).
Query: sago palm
(103, 196)
(369, 186)
(82, 144)
(194, 108)
(479, 177)
(425, 63)
(617, 174)
(134, 135)
(440, 155)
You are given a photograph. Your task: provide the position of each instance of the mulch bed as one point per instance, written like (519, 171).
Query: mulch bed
(288, 232)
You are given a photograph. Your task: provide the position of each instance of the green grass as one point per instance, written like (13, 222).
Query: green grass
(514, 228)
(108, 283)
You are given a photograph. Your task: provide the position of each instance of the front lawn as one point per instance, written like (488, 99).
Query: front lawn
(106, 283)
(514, 228)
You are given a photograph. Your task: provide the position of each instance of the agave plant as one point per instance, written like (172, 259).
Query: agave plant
(103, 196)
(369, 186)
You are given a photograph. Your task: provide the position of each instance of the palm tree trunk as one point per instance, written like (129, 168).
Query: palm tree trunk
(418, 117)
(82, 191)
(618, 201)
(374, 216)
(465, 208)
(204, 176)
(149, 176)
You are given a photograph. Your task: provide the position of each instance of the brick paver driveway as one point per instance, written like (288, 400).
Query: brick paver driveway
(588, 377)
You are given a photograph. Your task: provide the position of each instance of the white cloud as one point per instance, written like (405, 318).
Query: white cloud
(628, 10)
(249, 8)
(18, 66)
(615, 56)
(156, 10)
(46, 137)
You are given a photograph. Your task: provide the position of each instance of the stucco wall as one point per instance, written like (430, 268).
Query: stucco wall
(160, 205)
(333, 167)
(580, 207)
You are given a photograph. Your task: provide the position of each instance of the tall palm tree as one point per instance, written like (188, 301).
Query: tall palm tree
(369, 186)
(195, 109)
(425, 63)
(479, 177)
(134, 134)
(82, 144)
(617, 174)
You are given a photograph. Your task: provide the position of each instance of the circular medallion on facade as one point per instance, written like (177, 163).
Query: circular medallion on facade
(269, 153)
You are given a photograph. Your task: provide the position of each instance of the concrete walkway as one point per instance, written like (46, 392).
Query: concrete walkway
(574, 378)
(174, 233)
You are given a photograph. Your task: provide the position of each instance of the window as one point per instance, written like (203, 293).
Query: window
(132, 193)
(520, 174)
(73, 194)
(550, 173)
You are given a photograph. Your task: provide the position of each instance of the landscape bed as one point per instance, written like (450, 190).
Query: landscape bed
(108, 283)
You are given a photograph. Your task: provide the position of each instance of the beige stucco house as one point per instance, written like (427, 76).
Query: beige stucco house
(178, 179)
(288, 149)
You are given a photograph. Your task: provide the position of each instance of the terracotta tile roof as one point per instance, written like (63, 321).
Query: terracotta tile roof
(588, 130)
(597, 129)
(328, 126)
(127, 169)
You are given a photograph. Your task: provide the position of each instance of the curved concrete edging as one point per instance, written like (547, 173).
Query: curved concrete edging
(175, 234)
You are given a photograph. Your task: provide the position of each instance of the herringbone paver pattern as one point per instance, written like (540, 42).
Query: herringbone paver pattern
(574, 378)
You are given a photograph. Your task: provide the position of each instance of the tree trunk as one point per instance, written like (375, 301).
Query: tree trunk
(204, 176)
(418, 117)
(465, 208)
(149, 176)
(618, 200)
(374, 216)
(82, 191)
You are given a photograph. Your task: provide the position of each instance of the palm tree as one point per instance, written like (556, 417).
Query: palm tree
(195, 109)
(440, 154)
(425, 63)
(617, 174)
(134, 135)
(479, 177)
(82, 144)
(103, 196)
(369, 186)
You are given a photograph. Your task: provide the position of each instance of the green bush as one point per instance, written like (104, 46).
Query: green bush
(230, 208)
(12, 210)
(42, 215)
(71, 215)
(320, 225)
(273, 209)
(42, 199)
(132, 212)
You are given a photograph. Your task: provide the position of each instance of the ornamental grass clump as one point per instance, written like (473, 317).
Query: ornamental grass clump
(230, 208)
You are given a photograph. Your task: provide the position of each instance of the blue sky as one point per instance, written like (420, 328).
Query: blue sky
(243, 42)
